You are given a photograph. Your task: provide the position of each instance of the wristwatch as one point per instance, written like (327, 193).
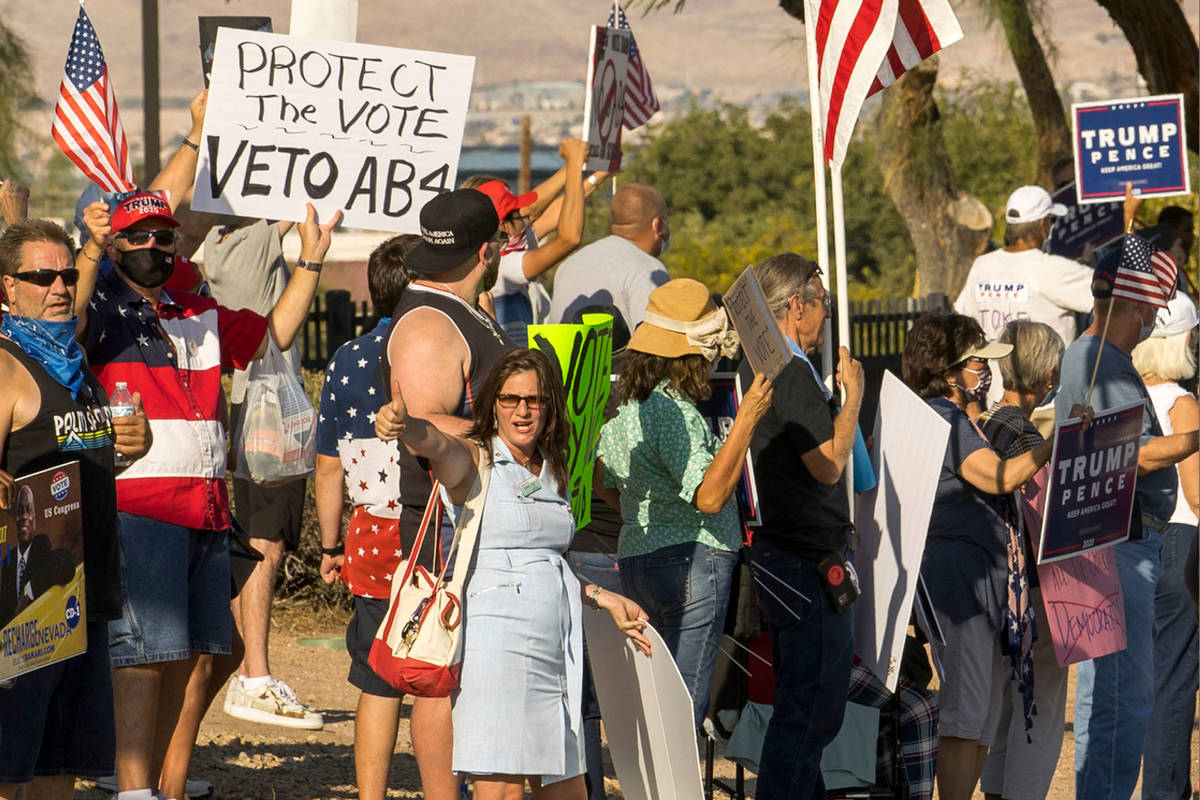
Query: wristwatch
(336, 550)
(311, 266)
(593, 594)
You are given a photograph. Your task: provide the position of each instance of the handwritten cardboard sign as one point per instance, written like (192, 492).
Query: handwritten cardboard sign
(762, 341)
(42, 603)
(584, 356)
(373, 130)
(1139, 140)
(893, 520)
(720, 410)
(604, 105)
(1090, 496)
(1082, 595)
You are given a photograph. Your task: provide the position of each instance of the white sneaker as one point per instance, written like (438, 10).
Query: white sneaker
(196, 790)
(274, 704)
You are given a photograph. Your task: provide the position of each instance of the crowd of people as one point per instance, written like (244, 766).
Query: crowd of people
(441, 402)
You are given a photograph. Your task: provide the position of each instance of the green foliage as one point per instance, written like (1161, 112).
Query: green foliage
(740, 192)
(16, 78)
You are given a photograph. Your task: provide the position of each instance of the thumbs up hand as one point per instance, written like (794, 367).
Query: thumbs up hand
(391, 419)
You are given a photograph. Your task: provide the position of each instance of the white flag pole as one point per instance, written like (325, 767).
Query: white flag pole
(818, 148)
(843, 299)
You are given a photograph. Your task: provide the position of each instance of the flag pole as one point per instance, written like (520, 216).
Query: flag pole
(843, 300)
(818, 150)
(1096, 367)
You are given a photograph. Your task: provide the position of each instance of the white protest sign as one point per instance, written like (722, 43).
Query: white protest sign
(647, 713)
(325, 19)
(762, 341)
(604, 105)
(373, 130)
(892, 520)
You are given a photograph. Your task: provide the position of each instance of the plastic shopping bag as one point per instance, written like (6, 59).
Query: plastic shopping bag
(276, 441)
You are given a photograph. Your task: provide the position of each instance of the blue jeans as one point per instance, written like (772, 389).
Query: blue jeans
(1167, 764)
(812, 652)
(684, 589)
(1114, 694)
(600, 569)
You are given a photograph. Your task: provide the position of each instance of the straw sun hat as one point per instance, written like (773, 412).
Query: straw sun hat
(681, 319)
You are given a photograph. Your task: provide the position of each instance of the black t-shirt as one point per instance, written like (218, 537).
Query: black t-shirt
(799, 513)
(39, 446)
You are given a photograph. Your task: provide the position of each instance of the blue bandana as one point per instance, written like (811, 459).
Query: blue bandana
(51, 344)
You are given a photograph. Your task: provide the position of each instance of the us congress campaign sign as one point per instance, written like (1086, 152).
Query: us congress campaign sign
(42, 603)
(1138, 140)
(373, 130)
(1090, 497)
(719, 411)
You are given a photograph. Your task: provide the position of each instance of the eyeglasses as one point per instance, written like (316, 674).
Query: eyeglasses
(138, 238)
(47, 277)
(826, 300)
(532, 401)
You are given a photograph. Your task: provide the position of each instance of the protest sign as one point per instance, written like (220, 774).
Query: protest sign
(1096, 224)
(647, 713)
(1090, 496)
(1085, 607)
(42, 604)
(892, 520)
(604, 105)
(325, 19)
(1138, 140)
(583, 354)
(762, 341)
(373, 130)
(208, 36)
(719, 410)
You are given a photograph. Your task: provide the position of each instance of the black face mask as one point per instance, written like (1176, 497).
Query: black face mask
(149, 267)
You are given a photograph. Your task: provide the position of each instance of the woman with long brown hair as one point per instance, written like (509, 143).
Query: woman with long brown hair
(517, 711)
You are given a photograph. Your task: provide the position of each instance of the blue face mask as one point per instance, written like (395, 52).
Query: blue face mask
(51, 344)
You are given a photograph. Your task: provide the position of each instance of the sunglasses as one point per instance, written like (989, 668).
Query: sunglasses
(166, 238)
(532, 401)
(46, 277)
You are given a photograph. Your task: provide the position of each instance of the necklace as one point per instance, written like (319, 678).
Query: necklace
(483, 319)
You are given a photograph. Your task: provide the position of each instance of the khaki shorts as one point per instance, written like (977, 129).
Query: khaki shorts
(975, 677)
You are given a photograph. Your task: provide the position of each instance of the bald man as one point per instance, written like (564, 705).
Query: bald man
(622, 268)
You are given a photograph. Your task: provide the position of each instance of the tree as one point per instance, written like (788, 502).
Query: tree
(16, 93)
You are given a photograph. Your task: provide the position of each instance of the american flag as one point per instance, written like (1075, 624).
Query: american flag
(87, 126)
(863, 47)
(640, 102)
(1145, 274)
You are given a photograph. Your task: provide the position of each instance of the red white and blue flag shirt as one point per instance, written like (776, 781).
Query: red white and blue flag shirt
(351, 394)
(172, 355)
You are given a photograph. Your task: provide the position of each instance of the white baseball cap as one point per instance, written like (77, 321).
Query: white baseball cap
(1178, 317)
(1031, 203)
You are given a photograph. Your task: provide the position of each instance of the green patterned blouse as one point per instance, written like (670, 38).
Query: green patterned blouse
(656, 453)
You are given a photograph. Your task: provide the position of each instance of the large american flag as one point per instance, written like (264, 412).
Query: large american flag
(863, 46)
(1145, 274)
(87, 126)
(640, 101)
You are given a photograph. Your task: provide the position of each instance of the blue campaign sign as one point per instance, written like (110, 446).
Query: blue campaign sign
(1092, 477)
(719, 410)
(1139, 140)
(1095, 224)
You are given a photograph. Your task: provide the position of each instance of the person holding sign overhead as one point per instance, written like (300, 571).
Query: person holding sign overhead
(517, 711)
(674, 480)
(1114, 694)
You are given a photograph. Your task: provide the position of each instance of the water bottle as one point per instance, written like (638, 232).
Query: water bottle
(120, 404)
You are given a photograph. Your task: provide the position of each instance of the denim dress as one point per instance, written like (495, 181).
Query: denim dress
(517, 710)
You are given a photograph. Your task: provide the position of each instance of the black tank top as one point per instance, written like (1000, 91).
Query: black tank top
(486, 342)
(67, 430)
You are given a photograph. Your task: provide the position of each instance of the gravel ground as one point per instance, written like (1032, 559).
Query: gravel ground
(249, 761)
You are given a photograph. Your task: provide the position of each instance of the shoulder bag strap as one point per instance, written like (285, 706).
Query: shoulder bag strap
(466, 531)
